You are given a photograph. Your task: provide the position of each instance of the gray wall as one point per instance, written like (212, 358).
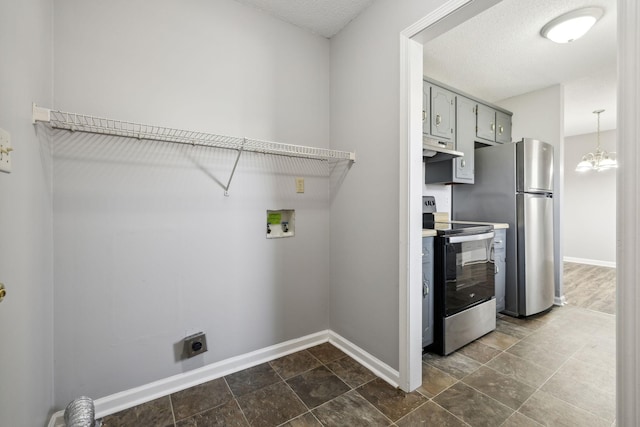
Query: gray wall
(148, 249)
(365, 67)
(539, 115)
(26, 317)
(589, 203)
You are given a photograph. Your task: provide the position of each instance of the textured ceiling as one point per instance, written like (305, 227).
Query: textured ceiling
(500, 53)
(323, 17)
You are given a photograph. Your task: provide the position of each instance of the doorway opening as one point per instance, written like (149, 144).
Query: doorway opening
(411, 81)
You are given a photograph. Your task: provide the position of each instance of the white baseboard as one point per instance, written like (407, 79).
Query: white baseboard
(370, 362)
(590, 261)
(560, 301)
(126, 399)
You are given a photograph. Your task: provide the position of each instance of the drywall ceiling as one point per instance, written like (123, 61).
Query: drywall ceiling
(500, 53)
(323, 17)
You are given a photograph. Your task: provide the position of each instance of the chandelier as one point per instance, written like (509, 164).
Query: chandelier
(600, 160)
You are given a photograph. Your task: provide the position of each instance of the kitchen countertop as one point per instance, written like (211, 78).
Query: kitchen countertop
(496, 225)
(427, 232)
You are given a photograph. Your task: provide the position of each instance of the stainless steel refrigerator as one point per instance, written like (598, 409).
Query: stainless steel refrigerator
(514, 185)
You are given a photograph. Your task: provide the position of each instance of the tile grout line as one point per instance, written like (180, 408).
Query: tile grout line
(173, 413)
(561, 399)
(323, 364)
(235, 399)
(502, 351)
(539, 388)
(461, 381)
(293, 391)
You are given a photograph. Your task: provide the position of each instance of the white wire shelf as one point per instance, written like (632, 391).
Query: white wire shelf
(84, 123)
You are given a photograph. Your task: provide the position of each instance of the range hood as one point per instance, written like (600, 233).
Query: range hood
(436, 151)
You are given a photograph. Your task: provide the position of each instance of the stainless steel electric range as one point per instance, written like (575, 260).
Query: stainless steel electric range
(464, 288)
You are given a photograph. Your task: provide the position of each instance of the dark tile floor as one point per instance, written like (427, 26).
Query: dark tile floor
(555, 369)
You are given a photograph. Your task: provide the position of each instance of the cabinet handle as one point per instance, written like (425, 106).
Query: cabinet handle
(498, 241)
(500, 129)
(497, 269)
(438, 119)
(425, 288)
(493, 127)
(463, 163)
(424, 115)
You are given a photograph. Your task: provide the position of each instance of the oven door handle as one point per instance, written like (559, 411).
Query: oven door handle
(470, 238)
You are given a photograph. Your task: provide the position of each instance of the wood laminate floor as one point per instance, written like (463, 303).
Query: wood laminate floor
(590, 286)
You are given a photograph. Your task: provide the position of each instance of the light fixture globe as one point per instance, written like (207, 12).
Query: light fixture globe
(607, 163)
(572, 25)
(584, 166)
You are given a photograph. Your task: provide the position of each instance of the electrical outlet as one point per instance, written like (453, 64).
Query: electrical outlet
(299, 185)
(5, 151)
(195, 344)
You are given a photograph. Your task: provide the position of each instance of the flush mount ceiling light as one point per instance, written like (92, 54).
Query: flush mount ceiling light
(571, 26)
(600, 160)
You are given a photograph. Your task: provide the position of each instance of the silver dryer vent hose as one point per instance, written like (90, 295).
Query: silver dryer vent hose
(80, 413)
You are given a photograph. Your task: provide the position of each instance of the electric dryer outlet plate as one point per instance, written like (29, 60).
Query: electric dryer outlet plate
(195, 344)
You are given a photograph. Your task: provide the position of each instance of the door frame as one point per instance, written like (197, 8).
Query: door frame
(628, 211)
(410, 192)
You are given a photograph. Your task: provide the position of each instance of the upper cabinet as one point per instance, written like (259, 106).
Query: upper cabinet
(459, 122)
(438, 115)
(442, 114)
(465, 120)
(492, 125)
(503, 127)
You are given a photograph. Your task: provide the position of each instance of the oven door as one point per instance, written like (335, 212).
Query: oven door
(469, 271)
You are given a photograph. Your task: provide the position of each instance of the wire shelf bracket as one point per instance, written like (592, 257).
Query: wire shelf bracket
(75, 122)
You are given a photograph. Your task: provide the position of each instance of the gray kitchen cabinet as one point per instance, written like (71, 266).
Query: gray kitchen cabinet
(463, 169)
(460, 169)
(460, 122)
(503, 127)
(427, 291)
(438, 113)
(442, 114)
(500, 259)
(492, 126)
(486, 123)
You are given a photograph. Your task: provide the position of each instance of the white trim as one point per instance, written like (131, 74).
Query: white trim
(590, 261)
(410, 308)
(432, 18)
(126, 399)
(57, 420)
(410, 191)
(628, 216)
(375, 365)
(560, 301)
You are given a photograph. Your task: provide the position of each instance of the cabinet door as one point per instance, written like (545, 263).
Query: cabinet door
(426, 106)
(500, 258)
(486, 123)
(442, 114)
(465, 132)
(427, 291)
(503, 127)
